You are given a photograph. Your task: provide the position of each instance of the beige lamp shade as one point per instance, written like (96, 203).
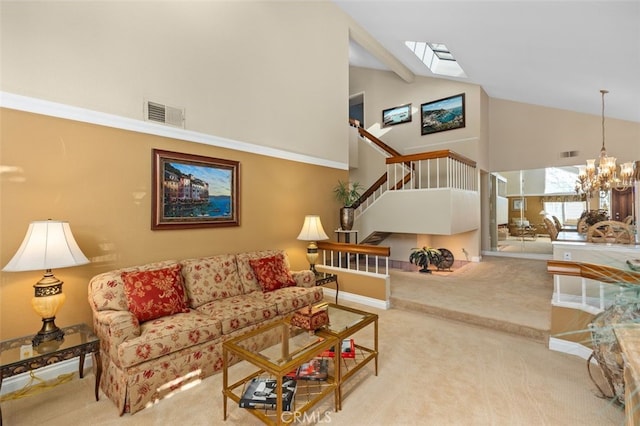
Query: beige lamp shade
(48, 244)
(312, 231)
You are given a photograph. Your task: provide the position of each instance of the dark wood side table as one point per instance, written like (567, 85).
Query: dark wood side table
(79, 340)
(323, 278)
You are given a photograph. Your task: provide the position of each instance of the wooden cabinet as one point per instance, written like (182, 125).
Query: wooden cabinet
(621, 204)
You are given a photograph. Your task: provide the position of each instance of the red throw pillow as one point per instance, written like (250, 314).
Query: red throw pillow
(272, 273)
(156, 293)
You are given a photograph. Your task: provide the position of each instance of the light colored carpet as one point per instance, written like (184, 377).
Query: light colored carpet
(503, 293)
(432, 371)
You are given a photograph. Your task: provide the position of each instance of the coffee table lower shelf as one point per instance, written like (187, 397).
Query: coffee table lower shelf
(287, 348)
(308, 393)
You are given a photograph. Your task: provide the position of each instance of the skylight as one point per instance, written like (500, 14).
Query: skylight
(437, 57)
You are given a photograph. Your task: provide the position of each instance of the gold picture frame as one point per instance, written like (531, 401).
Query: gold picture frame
(194, 191)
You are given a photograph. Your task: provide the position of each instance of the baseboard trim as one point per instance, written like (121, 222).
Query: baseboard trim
(47, 373)
(330, 293)
(568, 347)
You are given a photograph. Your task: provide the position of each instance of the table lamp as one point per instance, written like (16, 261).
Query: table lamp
(312, 231)
(48, 244)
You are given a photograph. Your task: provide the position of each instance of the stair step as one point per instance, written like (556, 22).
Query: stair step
(375, 238)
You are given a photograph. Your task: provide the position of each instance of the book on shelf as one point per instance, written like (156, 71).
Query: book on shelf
(316, 369)
(260, 392)
(347, 350)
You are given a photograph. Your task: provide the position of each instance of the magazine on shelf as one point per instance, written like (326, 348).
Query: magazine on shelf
(260, 393)
(316, 369)
(347, 350)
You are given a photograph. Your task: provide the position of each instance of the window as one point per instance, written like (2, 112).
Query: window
(437, 57)
(566, 212)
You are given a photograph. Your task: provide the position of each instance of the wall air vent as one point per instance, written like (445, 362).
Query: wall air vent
(164, 114)
(567, 154)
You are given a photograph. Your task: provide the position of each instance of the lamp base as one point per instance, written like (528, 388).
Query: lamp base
(48, 333)
(48, 298)
(312, 256)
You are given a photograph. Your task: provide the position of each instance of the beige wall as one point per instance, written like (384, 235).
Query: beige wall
(384, 89)
(571, 325)
(88, 174)
(524, 136)
(271, 73)
(363, 285)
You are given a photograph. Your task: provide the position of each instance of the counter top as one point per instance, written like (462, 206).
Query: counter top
(628, 336)
(570, 236)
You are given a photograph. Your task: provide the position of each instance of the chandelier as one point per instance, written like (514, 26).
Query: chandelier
(603, 176)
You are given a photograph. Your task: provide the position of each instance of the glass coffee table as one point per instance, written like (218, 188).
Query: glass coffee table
(344, 322)
(291, 347)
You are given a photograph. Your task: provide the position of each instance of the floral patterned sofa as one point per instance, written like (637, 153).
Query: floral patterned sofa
(162, 325)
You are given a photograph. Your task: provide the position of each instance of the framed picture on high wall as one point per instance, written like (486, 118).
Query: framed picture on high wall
(519, 204)
(443, 114)
(396, 115)
(193, 191)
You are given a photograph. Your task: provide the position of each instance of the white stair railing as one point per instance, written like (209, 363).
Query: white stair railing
(361, 258)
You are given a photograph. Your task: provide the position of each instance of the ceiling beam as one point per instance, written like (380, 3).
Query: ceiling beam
(371, 45)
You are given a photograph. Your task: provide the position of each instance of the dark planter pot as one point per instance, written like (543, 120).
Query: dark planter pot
(346, 218)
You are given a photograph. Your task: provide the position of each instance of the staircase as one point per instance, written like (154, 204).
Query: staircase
(431, 193)
(375, 238)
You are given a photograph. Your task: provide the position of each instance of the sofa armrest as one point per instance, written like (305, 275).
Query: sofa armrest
(304, 278)
(115, 327)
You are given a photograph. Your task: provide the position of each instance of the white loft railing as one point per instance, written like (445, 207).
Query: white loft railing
(362, 258)
(595, 287)
(594, 296)
(430, 170)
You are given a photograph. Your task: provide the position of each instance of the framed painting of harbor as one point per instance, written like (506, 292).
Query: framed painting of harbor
(193, 191)
(443, 114)
(396, 115)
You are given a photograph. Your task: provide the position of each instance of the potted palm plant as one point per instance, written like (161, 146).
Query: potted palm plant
(347, 194)
(423, 256)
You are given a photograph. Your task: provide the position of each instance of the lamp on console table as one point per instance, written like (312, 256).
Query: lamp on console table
(312, 231)
(48, 244)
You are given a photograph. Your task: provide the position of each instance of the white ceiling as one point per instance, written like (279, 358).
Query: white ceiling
(555, 54)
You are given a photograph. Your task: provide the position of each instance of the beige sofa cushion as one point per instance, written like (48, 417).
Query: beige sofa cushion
(166, 335)
(237, 312)
(211, 278)
(289, 299)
